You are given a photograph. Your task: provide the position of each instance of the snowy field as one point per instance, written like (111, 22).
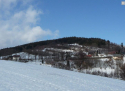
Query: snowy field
(16, 76)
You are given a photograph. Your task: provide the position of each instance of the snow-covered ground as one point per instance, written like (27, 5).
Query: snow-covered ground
(16, 76)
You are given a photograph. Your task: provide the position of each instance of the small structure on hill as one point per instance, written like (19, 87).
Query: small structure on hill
(16, 57)
(117, 56)
(93, 53)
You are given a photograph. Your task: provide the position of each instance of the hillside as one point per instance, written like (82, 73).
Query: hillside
(97, 42)
(16, 76)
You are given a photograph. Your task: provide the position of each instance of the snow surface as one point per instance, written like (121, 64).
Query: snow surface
(107, 70)
(124, 60)
(16, 76)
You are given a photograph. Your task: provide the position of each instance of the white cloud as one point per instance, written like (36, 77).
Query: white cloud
(56, 34)
(20, 26)
(7, 4)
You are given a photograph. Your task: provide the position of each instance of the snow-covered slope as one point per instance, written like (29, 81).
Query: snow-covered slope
(16, 76)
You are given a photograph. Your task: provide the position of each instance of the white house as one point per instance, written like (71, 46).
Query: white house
(16, 57)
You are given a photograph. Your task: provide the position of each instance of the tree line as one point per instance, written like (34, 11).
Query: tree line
(96, 42)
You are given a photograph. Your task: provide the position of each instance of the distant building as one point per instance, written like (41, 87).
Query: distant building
(112, 52)
(93, 53)
(117, 56)
(16, 57)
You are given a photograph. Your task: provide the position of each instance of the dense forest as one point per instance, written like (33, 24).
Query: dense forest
(97, 42)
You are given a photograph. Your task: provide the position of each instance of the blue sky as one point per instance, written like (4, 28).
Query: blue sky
(24, 21)
(86, 18)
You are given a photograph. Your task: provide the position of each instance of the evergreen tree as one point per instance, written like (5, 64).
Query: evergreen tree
(121, 45)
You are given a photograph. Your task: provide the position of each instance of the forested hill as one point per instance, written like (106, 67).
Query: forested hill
(67, 40)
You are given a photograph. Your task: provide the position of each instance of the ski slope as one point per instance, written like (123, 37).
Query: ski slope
(16, 76)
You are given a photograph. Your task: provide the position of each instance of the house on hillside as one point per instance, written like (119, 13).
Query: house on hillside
(93, 53)
(16, 57)
(89, 55)
(117, 56)
(112, 52)
(101, 55)
(13, 57)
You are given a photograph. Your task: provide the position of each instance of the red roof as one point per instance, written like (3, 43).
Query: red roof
(113, 52)
(89, 55)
